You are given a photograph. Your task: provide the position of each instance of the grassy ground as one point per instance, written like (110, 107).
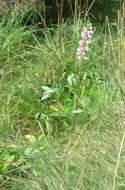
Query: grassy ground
(38, 147)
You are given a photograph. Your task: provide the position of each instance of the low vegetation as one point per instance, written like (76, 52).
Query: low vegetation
(61, 124)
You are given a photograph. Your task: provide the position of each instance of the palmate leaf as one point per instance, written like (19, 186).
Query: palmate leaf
(45, 96)
(46, 88)
(48, 92)
(72, 79)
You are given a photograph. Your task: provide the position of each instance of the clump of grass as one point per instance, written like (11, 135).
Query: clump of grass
(38, 148)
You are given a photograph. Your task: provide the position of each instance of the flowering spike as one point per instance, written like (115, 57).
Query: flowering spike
(86, 39)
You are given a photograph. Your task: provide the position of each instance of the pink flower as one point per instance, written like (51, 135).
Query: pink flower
(86, 39)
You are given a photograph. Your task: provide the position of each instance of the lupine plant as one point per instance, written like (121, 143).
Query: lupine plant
(81, 53)
(74, 79)
(86, 39)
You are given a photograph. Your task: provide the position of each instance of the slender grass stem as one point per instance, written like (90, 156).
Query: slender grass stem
(118, 162)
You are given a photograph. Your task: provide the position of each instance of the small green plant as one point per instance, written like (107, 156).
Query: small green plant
(86, 38)
(44, 89)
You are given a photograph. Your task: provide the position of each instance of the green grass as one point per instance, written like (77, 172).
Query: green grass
(38, 147)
